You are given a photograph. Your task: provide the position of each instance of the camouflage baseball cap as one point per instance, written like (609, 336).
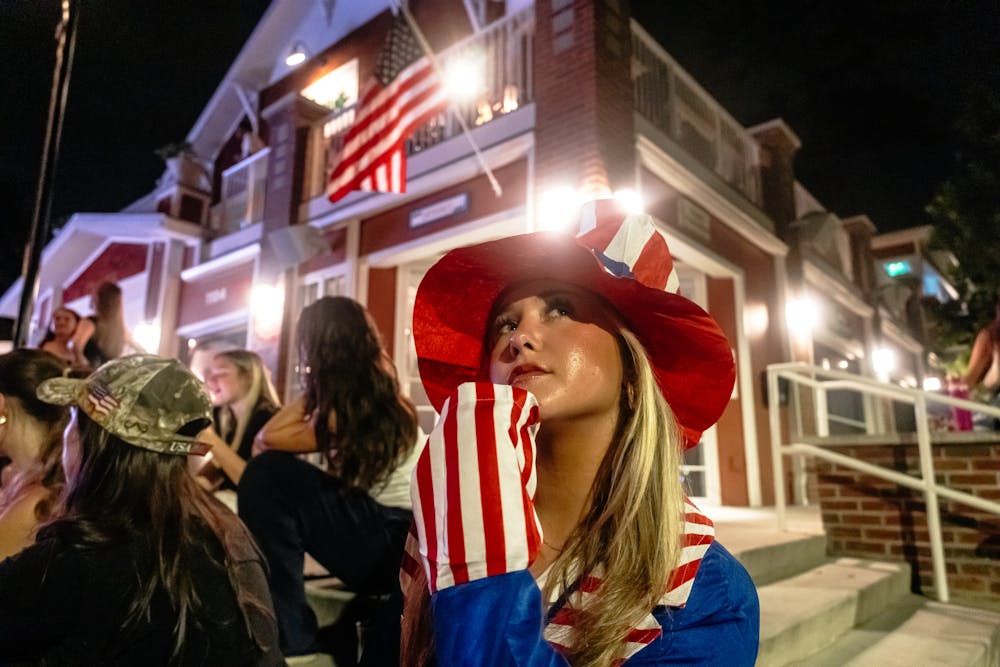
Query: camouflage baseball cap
(148, 401)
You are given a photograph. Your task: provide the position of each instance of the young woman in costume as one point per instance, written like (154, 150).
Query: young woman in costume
(551, 525)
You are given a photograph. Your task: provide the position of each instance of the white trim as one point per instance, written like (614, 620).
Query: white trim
(240, 256)
(230, 320)
(738, 214)
(497, 225)
(748, 406)
(235, 240)
(828, 285)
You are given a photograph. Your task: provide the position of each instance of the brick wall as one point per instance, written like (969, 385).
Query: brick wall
(869, 517)
(584, 135)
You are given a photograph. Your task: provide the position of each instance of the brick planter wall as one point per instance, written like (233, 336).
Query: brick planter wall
(868, 517)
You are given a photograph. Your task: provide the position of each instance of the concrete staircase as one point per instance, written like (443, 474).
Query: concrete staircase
(825, 612)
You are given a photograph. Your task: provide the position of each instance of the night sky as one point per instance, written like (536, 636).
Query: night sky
(872, 88)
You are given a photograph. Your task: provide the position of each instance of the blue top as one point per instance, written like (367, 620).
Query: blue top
(498, 621)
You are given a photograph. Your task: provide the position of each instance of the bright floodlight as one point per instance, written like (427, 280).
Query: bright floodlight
(267, 306)
(802, 315)
(932, 383)
(883, 362)
(147, 335)
(463, 78)
(630, 199)
(557, 209)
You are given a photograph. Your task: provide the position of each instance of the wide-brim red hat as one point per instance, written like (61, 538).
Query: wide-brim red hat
(619, 257)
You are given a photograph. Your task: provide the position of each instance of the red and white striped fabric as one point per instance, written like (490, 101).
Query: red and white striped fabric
(404, 94)
(699, 534)
(474, 484)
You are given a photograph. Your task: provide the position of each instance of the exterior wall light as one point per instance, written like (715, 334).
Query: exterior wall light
(802, 315)
(883, 362)
(297, 55)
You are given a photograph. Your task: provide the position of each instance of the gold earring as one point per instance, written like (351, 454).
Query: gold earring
(3, 419)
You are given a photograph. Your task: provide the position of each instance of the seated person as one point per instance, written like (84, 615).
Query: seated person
(31, 436)
(144, 567)
(243, 400)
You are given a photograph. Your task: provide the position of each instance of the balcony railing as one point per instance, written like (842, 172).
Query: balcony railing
(505, 50)
(674, 103)
(242, 201)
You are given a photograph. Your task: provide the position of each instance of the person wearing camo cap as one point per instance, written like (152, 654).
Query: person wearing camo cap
(142, 566)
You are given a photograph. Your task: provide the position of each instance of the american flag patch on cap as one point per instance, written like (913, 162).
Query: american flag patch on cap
(101, 399)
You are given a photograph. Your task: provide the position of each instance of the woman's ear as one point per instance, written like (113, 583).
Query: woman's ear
(3, 409)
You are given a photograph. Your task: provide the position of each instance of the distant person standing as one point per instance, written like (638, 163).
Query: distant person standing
(111, 337)
(250, 141)
(67, 336)
(984, 362)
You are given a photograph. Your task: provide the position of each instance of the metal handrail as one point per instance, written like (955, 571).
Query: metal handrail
(806, 375)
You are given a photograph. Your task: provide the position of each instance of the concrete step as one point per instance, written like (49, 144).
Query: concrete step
(805, 613)
(938, 634)
(784, 555)
(767, 553)
(917, 631)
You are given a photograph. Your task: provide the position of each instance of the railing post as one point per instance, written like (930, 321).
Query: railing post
(931, 497)
(777, 466)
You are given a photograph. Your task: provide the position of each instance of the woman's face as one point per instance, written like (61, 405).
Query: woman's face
(63, 323)
(225, 382)
(555, 341)
(71, 454)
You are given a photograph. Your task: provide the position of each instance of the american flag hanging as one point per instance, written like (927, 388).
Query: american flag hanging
(404, 93)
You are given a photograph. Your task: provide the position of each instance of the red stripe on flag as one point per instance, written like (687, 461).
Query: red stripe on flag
(393, 120)
(530, 525)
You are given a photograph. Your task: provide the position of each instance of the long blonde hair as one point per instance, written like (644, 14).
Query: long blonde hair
(631, 532)
(633, 527)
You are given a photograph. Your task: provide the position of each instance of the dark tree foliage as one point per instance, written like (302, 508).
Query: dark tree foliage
(966, 215)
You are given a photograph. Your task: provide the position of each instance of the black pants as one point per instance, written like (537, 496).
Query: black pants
(292, 507)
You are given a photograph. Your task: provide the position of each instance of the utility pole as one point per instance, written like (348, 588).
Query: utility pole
(65, 45)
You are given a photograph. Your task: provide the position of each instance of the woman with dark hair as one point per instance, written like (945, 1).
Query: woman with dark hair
(143, 566)
(243, 400)
(551, 524)
(66, 337)
(31, 436)
(111, 337)
(353, 517)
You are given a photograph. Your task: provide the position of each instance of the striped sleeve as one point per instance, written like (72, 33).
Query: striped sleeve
(474, 484)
